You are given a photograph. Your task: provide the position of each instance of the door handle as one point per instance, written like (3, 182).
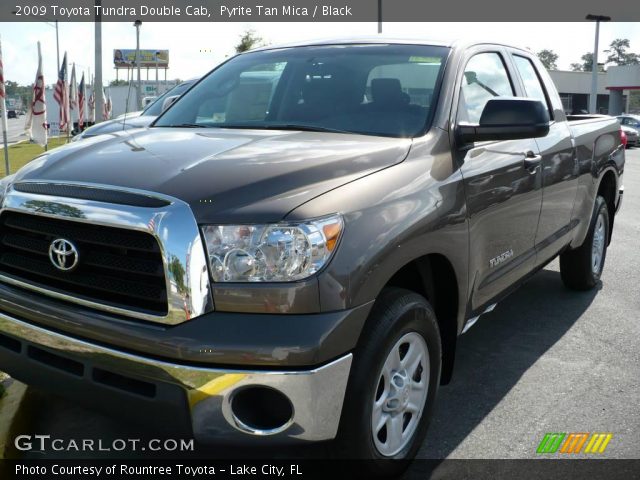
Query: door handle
(531, 161)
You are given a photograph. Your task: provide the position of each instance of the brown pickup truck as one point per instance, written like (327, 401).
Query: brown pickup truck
(291, 250)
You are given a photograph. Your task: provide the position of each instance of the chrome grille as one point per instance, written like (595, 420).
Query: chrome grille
(118, 267)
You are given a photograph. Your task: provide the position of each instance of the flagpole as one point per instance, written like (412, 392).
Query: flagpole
(4, 116)
(4, 136)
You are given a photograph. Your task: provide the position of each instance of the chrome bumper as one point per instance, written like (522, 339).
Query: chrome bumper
(316, 395)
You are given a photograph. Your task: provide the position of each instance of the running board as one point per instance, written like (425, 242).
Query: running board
(472, 321)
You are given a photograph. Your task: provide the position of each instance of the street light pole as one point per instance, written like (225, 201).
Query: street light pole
(157, 82)
(593, 97)
(57, 46)
(97, 84)
(137, 24)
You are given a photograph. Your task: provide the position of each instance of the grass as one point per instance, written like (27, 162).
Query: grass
(23, 153)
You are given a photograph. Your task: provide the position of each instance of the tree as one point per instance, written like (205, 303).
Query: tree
(586, 65)
(248, 40)
(618, 54)
(548, 59)
(18, 91)
(117, 83)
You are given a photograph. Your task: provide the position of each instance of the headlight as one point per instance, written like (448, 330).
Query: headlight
(4, 184)
(282, 252)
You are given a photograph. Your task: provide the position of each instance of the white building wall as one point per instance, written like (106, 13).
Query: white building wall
(578, 82)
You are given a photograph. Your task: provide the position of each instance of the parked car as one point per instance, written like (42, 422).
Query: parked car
(630, 120)
(12, 114)
(290, 252)
(133, 120)
(631, 134)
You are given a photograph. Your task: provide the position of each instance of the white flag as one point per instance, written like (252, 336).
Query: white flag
(36, 125)
(106, 104)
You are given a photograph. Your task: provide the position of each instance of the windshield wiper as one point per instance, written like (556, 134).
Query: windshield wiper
(284, 126)
(183, 125)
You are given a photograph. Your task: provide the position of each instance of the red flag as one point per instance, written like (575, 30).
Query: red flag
(61, 94)
(36, 124)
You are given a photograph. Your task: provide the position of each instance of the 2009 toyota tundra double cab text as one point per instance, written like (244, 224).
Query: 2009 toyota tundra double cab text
(289, 253)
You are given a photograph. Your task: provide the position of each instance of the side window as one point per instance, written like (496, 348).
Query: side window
(532, 84)
(485, 77)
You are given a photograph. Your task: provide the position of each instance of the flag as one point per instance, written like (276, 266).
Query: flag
(92, 103)
(106, 104)
(61, 94)
(73, 89)
(81, 95)
(36, 125)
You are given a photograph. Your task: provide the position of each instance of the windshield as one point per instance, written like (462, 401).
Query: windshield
(155, 108)
(385, 90)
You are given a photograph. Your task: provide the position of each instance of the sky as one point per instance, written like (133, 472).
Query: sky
(195, 48)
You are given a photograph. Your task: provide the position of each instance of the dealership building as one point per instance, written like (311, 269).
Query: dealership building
(614, 87)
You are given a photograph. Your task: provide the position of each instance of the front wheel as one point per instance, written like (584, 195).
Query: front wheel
(393, 383)
(581, 268)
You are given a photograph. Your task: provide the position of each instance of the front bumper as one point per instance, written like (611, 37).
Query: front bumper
(196, 399)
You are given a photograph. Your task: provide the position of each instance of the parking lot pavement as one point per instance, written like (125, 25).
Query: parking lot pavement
(15, 130)
(551, 360)
(546, 360)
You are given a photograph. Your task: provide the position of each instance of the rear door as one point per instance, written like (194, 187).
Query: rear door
(503, 195)
(559, 162)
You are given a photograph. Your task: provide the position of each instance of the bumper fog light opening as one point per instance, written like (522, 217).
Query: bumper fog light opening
(261, 410)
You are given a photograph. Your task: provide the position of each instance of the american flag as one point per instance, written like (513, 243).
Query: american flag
(81, 94)
(91, 103)
(61, 94)
(73, 89)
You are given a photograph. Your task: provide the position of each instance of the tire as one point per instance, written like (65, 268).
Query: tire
(401, 321)
(582, 267)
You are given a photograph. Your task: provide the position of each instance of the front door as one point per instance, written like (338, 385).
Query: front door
(503, 194)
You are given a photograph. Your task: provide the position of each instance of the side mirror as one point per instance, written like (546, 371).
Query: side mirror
(170, 100)
(507, 118)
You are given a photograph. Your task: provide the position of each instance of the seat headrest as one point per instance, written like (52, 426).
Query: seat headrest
(387, 91)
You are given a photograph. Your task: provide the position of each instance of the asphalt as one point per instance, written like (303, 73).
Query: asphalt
(545, 360)
(15, 130)
(548, 359)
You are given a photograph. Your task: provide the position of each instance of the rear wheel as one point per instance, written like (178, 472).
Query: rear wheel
(393, 383)
(581, 268)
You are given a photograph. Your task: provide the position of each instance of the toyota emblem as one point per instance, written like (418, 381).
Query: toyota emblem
(63, 254)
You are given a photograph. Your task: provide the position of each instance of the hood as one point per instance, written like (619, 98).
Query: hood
(129, 115)
(224, 175)
(117, 124)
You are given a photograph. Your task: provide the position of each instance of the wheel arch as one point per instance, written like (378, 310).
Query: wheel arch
(607, 189)
(434, 277)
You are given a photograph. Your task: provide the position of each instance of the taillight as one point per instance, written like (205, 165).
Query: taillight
(623, 138)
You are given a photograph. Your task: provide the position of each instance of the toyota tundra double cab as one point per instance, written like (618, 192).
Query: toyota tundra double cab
(291, 250)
